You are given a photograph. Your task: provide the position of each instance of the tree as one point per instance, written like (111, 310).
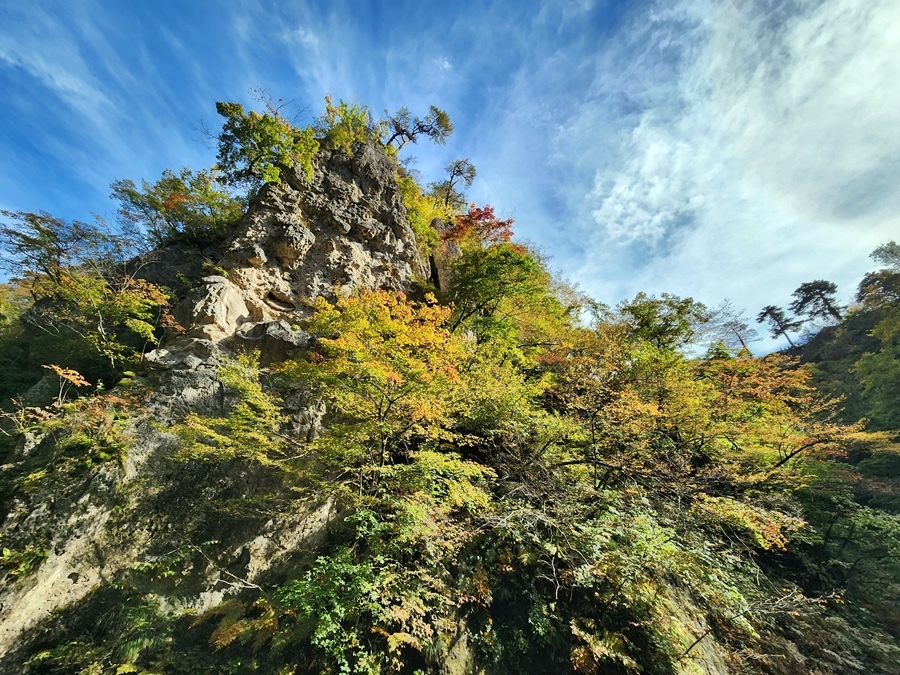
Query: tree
(879, 289)
(668, 322)
(888, 255)
(436, 126)
(480, 225)
(259, 148)
(816, 299)
(344, 125)
(186, 206)
(882, 287)
(14, 301)
(779, 324)
(389, 374)
(482, 278)
(422, 209)
(768, 410)
(460, 171)
(76, 272)
(39, 245)
(729, 327)
(878, 371)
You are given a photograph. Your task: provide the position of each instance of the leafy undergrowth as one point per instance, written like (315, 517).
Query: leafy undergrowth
(603, 503)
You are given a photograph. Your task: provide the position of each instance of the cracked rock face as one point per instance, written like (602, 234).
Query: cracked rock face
(344, 230)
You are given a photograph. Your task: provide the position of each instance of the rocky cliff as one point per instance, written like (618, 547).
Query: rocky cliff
(346, 229)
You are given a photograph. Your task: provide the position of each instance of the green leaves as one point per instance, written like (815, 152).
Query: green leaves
(668, 322)
(183, 206)
(344, 125)
(88, 295)
(252, 429)
(327, 603)
(402, 128)
(258, 148)
(815, 299)
(18, 564)
(39, 246)
(484, 277)
(422, 209)
(459, 172)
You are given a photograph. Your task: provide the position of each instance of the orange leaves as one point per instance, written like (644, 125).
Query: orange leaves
(770, 407)
(393, 340)
(186, 205)
(67, 378)
(390, 371)
(174, 201)
(69, 375)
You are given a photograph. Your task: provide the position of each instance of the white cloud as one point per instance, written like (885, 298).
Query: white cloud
(89, 105)
(303, 37)
(46, 53)
(813, 104)
(765, 153)
(658, 188)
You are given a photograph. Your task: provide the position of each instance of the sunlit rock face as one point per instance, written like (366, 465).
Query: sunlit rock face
(344, 230)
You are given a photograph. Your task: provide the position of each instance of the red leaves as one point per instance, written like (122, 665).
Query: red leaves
(481, 224)
(174, 201)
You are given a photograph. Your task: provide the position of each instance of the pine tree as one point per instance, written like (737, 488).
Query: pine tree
(816, 299)
(779, 323)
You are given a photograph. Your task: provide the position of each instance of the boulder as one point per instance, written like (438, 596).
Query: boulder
(276, 341)
(213, 311)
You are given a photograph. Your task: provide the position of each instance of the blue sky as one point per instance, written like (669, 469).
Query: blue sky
(711, 148)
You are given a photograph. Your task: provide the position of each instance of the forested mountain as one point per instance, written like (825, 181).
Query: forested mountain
(300, 413)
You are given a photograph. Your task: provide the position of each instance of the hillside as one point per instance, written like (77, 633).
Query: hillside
(302, 414)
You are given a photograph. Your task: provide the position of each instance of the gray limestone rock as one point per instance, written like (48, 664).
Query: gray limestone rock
(344, 230)
(213, 311)
(276, 341)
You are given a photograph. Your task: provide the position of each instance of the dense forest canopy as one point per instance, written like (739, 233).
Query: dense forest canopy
(527, 480)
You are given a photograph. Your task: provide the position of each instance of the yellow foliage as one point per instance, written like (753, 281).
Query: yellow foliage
(421, 210)
(766, 528)
(252, 428)
(391, 373)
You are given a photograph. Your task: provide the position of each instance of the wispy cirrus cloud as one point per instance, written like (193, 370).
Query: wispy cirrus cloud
(764, 148)
(42, 48)
(302, 36)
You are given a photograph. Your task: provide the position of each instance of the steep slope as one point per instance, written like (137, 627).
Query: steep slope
(344, 230)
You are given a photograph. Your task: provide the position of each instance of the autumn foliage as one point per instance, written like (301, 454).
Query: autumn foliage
(481, 225)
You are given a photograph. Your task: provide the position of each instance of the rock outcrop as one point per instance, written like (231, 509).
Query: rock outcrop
(344, 230)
